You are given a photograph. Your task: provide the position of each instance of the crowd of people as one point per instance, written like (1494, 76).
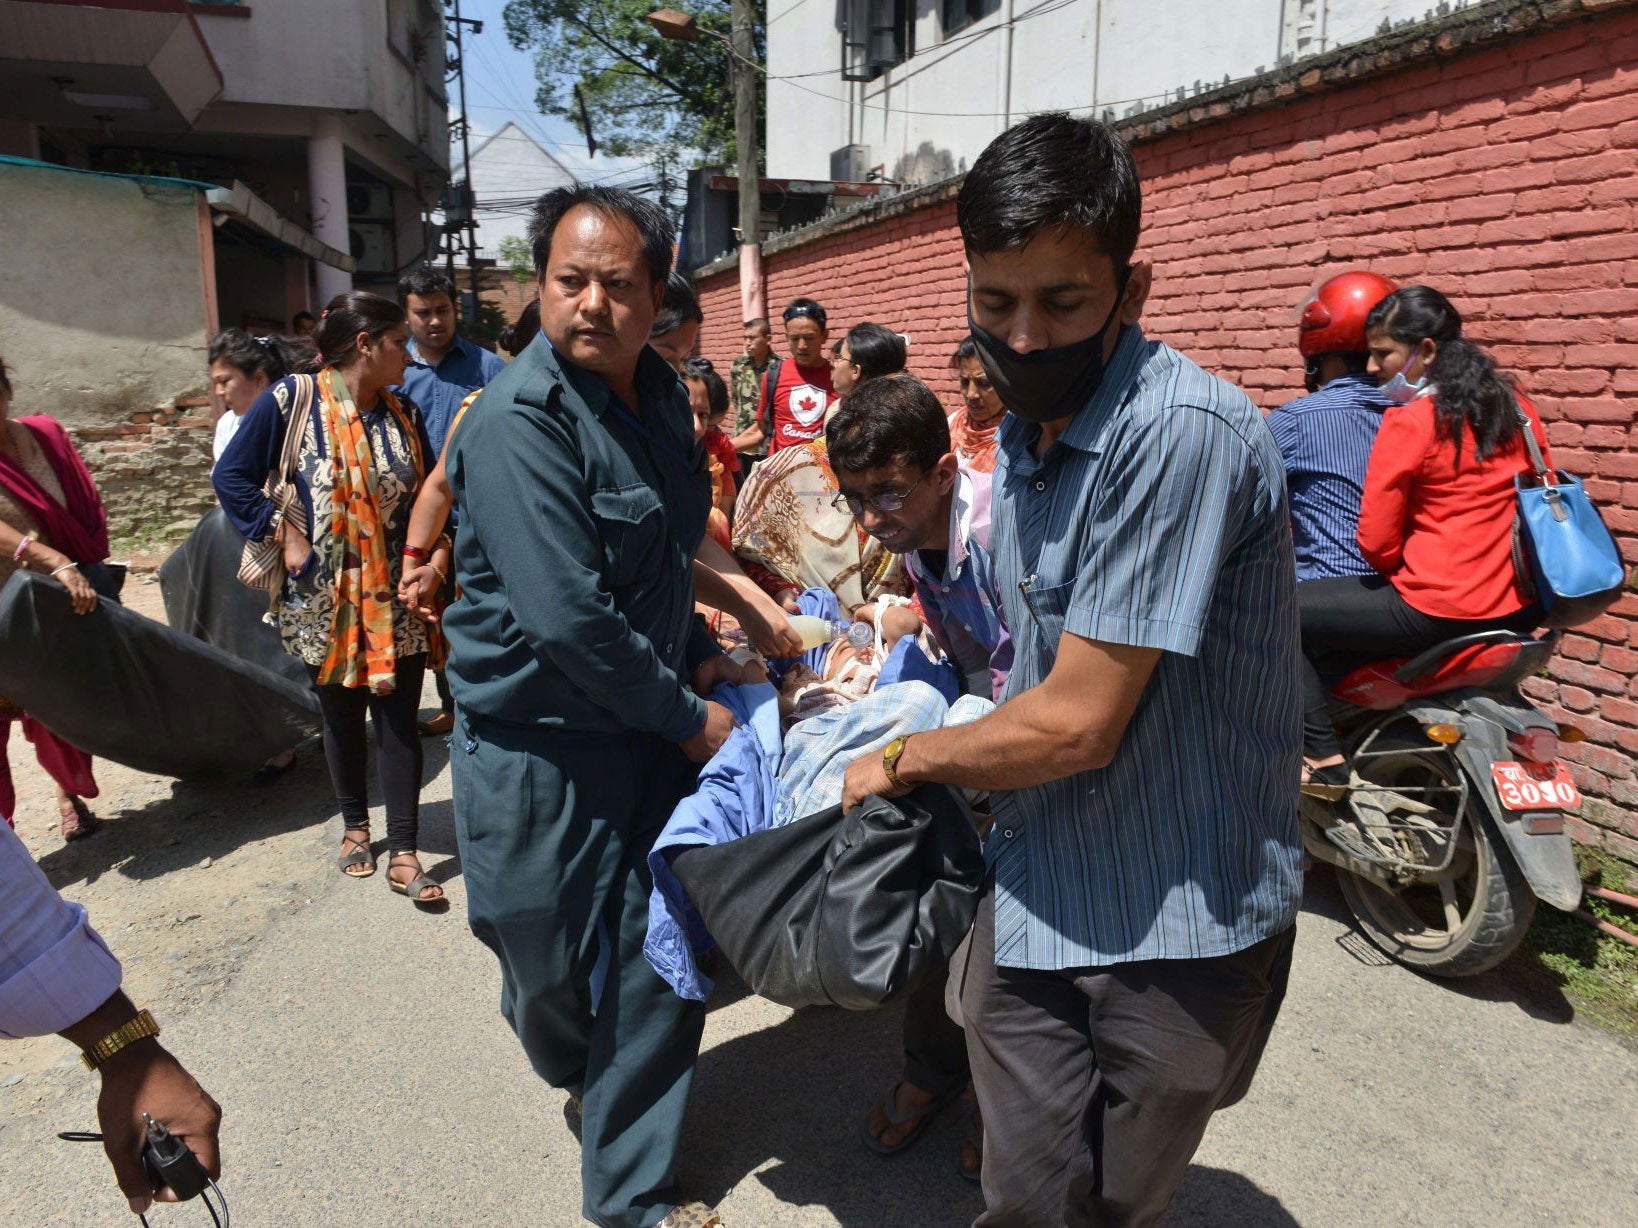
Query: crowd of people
(1138, 576)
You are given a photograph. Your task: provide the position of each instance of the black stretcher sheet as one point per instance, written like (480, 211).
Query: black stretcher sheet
(126, 688)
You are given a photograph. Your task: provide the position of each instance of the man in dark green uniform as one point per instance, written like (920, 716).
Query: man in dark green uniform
(583, 497)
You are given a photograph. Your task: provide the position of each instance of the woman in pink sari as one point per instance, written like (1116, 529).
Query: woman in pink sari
(51, 521)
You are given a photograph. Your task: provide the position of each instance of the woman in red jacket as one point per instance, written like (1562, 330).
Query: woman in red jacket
(1437, 516)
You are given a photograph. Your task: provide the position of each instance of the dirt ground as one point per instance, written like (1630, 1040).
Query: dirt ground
(184, 877)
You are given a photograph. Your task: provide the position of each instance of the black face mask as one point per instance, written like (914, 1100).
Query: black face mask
(1047, 384)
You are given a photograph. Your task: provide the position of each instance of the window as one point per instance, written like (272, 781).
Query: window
(876, 35)
(959, 14)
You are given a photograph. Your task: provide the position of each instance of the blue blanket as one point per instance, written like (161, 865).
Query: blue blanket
(751, 784)
(736, 796)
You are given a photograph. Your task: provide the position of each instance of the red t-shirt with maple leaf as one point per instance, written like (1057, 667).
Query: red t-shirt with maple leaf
(799, 403)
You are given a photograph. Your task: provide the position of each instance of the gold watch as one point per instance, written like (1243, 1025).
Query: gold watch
(129, 1032)
(890, 761)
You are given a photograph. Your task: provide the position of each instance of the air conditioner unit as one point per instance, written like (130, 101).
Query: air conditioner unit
(850, 163)
(370, 243)
(369, 202)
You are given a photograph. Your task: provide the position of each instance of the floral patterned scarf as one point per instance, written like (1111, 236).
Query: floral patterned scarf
(362, 652)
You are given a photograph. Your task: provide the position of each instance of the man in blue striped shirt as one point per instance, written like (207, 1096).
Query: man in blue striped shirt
(1325, 438)
(1132, 948)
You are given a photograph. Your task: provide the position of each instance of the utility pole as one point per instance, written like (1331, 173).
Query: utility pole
(462, 206)
(742, 68)
(751, 299)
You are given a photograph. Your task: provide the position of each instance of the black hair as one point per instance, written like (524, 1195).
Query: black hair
(515, 338)
(426, 281)
(1468, 389)
(886, 420)
(806, 307)
(274, 357)
(876, 350)
(300, 316)
(678, 306)
(967, 349)
(5, 377)
(348, 315)
(647, 217)
(716, 392)
(1052, 172)
(761, 326)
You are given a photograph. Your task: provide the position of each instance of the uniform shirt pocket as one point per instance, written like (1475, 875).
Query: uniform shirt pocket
(631, 522)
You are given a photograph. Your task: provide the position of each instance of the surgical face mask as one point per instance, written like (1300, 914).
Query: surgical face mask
(1048, 384)
(1400, 391)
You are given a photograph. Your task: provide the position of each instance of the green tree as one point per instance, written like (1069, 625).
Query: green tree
(518, 258)
(643, 93)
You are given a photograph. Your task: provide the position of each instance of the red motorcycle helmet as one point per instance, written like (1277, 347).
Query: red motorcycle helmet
(1333, 318)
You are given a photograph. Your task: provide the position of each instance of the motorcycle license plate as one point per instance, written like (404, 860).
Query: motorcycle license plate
(1529, 786)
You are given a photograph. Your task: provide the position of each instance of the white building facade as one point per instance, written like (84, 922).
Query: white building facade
(912, 90)
(510, 170)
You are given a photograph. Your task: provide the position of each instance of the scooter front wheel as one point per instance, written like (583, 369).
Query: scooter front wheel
(1468, 919)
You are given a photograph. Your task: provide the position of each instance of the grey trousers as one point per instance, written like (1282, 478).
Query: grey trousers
(1096, 1084)
(555, 830)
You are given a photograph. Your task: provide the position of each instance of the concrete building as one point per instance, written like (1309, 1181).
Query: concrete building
(913, 91)
(326, 121)
(170, 168)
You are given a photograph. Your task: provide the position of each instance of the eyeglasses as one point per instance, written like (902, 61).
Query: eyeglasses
(887, 501)
(815, 314)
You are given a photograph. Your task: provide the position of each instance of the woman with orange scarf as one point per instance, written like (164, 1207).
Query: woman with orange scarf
(363, 455)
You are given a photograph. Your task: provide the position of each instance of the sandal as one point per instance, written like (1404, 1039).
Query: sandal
(77, 820)
(921, 1114)
(360, 856)
(691, 1215)
(413, 889)
(1329, 783)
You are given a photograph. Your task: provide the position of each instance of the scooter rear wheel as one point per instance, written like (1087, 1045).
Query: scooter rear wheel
(1473, 916)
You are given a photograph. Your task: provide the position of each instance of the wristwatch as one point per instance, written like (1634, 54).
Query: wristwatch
(129, 1032)
(890, 761)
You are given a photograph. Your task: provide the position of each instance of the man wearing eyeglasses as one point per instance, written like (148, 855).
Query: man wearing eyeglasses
(889, 445)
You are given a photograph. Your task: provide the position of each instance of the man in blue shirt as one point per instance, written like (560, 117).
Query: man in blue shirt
(1133, 944)
(889, 445)
(1325, 438)
(444, 368)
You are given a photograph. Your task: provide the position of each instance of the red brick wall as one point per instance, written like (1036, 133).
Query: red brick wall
(904, 272)
(1506, 177)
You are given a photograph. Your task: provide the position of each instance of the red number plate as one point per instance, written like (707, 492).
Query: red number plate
(1529, 786)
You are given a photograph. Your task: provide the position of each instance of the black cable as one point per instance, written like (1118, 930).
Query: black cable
(222, 1221)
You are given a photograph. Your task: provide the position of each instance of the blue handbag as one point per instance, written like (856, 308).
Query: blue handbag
(1562, 550)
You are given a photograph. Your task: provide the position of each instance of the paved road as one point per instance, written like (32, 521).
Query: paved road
(368, 1080)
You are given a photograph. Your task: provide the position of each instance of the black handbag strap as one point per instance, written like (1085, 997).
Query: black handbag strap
(1544, 475)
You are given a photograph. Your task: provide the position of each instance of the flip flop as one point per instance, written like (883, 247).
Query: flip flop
(922, 1115)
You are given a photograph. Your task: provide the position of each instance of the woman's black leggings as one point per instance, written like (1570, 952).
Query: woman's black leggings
(1365, 617)
(398, 750)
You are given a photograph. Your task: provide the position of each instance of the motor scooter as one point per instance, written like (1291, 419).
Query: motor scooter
(1453, 825)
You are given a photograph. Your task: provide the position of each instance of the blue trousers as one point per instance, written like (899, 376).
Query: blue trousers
(555, 829)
